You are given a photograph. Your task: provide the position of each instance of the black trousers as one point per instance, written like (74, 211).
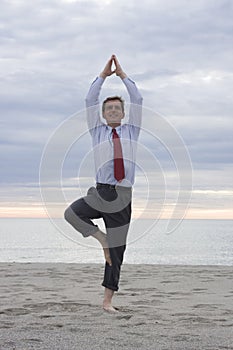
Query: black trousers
(113, 205)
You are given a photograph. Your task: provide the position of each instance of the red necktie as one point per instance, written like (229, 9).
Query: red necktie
(119, 170)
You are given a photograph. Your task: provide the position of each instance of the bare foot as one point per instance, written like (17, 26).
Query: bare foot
(101, 237)
(110, 308)
(107, 302)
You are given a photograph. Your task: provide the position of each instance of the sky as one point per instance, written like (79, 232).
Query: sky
(180, 55)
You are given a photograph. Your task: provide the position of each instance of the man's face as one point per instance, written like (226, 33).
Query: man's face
(113, 113)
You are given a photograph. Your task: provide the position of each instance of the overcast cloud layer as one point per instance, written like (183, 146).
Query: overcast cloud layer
(179, 52)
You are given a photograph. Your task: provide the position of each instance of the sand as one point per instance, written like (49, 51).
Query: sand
(59, 306)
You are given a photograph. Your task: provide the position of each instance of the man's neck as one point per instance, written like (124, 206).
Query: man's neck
(114, 125)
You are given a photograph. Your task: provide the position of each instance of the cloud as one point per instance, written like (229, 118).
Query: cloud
(179, 53)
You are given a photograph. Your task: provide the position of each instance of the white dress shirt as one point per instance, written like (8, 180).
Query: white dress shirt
(102, 134)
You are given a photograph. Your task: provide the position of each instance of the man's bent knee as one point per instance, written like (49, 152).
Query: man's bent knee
(80, 223)
(69, 214)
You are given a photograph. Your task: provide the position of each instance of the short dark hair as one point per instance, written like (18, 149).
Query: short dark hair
(114, 98)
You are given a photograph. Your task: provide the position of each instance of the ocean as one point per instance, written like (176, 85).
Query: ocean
(193, 242)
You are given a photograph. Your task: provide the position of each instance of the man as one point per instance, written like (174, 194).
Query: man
(114, 146)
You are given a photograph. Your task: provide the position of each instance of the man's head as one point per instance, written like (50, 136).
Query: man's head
(113, 110)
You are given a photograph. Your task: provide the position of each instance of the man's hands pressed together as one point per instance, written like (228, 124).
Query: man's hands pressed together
(109, 69)
(118, 70)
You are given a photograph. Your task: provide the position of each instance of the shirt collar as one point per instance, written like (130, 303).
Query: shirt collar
(118, 128)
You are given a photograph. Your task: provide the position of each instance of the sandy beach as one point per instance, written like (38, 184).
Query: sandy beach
(59, 306)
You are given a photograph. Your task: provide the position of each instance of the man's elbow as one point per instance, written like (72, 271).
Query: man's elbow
(88, 101)
(138, 100)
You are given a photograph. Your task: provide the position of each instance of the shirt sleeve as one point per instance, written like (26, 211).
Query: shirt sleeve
(92, 104)
(135, 110)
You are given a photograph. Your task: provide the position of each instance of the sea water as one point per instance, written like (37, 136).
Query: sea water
(192, 242)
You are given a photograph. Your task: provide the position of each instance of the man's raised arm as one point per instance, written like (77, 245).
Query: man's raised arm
(92, 99)
(135, 112)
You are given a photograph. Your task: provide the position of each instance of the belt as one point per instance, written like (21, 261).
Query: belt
(112, 187)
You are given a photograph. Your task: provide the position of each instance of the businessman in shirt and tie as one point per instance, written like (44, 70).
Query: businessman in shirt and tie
(114, 147)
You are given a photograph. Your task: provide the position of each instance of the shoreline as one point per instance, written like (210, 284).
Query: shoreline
(124, 264)
(59, 306)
